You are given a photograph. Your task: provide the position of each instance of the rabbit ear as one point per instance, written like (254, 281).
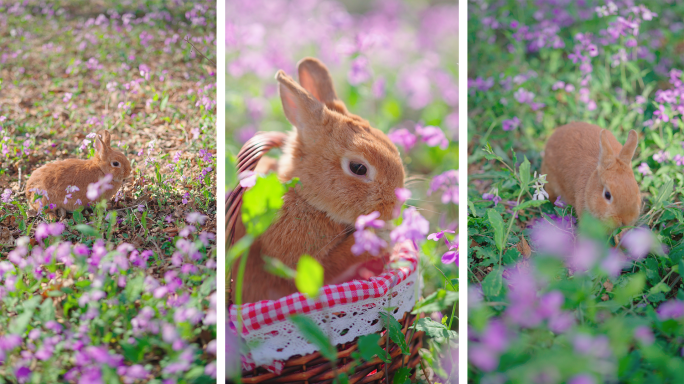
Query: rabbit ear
(606, 154)
(106, 137)
(301, 109)
(627, 151)
(315, 78)
(100, 147)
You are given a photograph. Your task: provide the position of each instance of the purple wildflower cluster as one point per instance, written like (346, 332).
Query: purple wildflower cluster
(366, 46)
(114, 272)
(446, 182)
(366, 240)
(432, 136)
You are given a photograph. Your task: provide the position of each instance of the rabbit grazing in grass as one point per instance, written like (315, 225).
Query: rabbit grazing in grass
(592, 171)
(64, 184)
(346, 168)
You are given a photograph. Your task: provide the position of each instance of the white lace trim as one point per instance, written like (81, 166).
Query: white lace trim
(282, 340)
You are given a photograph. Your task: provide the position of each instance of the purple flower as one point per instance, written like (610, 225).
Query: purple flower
(6, 196)
(644, 169)
(661, 156)
(370, 220)
(492, 197)
(9, 342)
(509, 125)
(23, 374)
(584, 255)
(582, 379)
(638, 242)
(448, 183)
(367, 241)
(482, 357)
(42, 231)
(559, 202)
(413, 228)
(98, 188)
(402, 194)
(672, 309)
(523, 96)
(451, 256)
(403, 137)
(247, 179)
(432, 136)
(378, 88)
(679, 160)
(614, 262)
(550, 304)
(196, 218)
(495, 336)
(555, 237)
(56, 229)
(661, 113)
(562, 322)
(438, 235)
(644, 335)
(360, 71)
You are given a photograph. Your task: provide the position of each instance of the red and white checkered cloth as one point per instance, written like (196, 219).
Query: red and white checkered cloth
(263, 313)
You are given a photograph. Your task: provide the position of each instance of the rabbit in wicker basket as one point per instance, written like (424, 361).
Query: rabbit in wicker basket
(592, 171)
(346, 168)
(52, 180)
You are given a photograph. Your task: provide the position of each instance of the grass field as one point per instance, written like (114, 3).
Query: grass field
(554, 300)
(123, 291)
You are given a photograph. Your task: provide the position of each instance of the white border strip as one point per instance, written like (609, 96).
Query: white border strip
(463, 190)
(220, 192)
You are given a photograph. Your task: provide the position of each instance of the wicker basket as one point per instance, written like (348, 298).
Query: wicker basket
(313, 368)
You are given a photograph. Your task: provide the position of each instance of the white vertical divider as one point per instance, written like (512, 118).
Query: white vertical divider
(220, 193)
(463, 190)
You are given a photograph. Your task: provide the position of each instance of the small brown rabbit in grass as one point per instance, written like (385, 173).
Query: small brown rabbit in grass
(52, 180)
(346, 168)
(590, 170)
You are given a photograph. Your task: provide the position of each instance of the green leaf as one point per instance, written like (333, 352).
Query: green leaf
(47, 311)
(402, 376)
(261, 203)
(395, 331)
(524, 170)
(529, 204)
(664, 193)
(135, 352)
(278, 268)
(634, 286)
(309, 279)
(241, 246)
(369, 347)
(492, 284)
(434, 330)
(21, 321)
(437, 301)
(497, 224)
(87, 230)
(134, 288)
(315, 336)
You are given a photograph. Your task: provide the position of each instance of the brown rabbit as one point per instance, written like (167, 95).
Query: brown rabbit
(590, 170)
(346, 168)
(54, 178)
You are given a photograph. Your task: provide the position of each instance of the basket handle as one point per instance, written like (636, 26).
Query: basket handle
(248, 158)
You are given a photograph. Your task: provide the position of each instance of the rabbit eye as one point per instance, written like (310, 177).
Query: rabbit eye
(607, 195)
(357, 168)
(115, 164)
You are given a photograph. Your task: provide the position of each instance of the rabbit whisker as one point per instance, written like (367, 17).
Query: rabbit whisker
(346, 231)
